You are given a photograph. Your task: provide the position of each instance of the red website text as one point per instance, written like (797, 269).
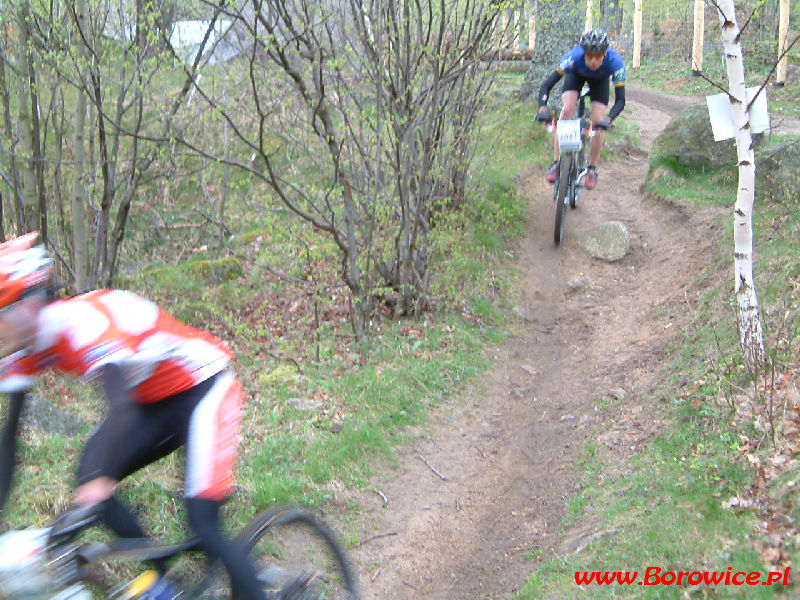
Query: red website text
(658, 576)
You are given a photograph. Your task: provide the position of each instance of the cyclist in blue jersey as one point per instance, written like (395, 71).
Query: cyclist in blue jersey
(593, 63)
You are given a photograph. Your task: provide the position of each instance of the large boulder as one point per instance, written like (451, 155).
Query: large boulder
(608, 241)
(778, 171)
(559, 26)
(43, 415)
(688, 139)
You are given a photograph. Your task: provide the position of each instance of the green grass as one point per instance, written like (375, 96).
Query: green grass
(662, 75)
(694, 188)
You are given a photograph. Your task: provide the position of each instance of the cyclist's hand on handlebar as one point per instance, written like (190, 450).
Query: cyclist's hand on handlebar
(604, 123)
(543, 115)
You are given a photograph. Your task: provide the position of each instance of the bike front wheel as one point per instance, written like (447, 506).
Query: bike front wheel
(580, 164)
(297, 557)
(563, 183)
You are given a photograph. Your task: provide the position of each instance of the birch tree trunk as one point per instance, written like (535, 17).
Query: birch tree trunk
(750, 330)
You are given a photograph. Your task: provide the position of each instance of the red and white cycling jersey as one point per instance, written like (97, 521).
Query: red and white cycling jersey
(159, 356)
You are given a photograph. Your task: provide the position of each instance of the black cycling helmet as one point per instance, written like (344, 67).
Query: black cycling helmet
(594, 41)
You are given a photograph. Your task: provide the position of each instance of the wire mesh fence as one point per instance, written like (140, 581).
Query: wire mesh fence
(668, 29)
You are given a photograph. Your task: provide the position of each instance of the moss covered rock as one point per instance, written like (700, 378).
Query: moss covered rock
(688, 139)
(778, 171)
(217, 269)
(280, 376)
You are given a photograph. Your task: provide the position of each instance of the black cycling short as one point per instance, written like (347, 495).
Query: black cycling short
(599, 89)
(150, 432)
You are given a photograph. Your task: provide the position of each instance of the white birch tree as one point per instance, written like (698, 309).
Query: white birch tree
(751, 334)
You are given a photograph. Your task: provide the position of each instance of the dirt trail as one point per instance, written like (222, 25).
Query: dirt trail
(489, 479)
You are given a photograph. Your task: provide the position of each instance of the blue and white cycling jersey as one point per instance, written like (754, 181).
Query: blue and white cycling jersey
(613, 66)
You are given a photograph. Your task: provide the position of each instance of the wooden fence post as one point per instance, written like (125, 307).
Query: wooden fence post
(697, 47)
(589, 7)
(783, 39)
(637, 34)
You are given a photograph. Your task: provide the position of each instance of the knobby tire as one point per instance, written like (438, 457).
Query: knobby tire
(292, 552)
(286, 543)
(575, 192)
(564, 184)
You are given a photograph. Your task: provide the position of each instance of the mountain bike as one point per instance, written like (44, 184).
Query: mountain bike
(571, 163)
(296, 557)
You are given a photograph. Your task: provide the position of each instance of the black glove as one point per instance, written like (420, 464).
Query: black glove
(604, 123)
(542, 116)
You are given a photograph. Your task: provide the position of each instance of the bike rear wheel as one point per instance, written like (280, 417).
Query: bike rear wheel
(563, 188)
(297, 554)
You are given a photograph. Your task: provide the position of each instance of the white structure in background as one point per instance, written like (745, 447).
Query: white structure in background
(186, 36)
(222, 45)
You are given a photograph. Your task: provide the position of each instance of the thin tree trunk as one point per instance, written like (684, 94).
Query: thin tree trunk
(78, 209)
(28, 173)
(750, 332)
(10, 143)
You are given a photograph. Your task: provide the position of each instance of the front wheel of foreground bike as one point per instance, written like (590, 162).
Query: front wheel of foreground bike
(564, 172)
(297, 557)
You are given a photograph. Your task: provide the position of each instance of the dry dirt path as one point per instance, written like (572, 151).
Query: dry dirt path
(489, 478)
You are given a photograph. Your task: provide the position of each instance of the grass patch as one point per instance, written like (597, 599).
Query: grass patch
(661, 74)
(695, 188)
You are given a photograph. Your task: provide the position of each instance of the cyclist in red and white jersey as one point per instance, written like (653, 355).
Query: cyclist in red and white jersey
(167, 385)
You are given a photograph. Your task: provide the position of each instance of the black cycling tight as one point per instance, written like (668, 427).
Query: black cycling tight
(204, 521)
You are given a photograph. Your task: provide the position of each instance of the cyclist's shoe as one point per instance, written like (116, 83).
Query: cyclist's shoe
(551, 172)
(163, 589)
(590, 181)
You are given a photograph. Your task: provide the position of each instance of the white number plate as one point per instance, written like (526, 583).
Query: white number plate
(569, 134)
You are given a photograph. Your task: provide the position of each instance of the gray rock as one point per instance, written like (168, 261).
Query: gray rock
(576, 284)
(777, 172)
(608, 241)
(557, 31)
(43, 415)
(304, 405)
(618, 394)
(689, 140)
